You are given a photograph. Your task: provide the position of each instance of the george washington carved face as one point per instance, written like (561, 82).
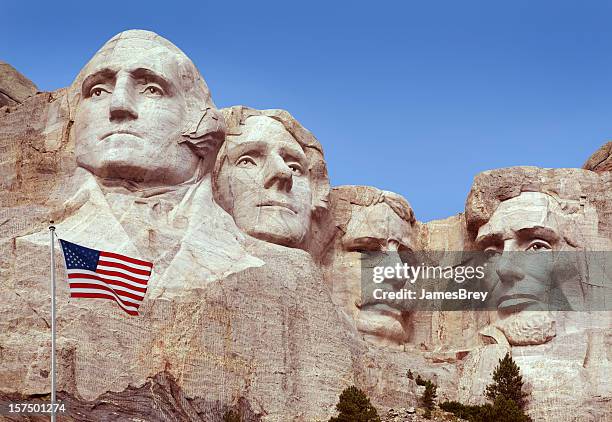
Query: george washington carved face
(136, 98)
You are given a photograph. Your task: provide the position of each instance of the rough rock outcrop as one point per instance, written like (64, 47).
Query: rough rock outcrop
(14, 87)
(255, 303)
(601, 160)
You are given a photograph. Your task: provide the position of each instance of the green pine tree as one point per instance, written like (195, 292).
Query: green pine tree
(355, 406)
(507, 383)
(506, 410)
(428, 398)
(506, 394)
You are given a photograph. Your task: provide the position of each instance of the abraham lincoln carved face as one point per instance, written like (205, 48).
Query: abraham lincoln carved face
(520, 239)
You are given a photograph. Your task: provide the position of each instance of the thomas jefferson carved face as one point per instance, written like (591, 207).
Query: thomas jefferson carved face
(132, 113)
(520, 237)
(265, 182)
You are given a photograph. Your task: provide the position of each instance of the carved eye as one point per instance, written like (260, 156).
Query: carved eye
(491, 252)
(245, 162)
(98, 91)
(539, 245)
(296, 169)
(365, 245)
(153, 90)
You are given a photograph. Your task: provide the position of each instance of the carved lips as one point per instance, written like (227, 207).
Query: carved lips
(278, 204)
(516, 302)
(119, 132)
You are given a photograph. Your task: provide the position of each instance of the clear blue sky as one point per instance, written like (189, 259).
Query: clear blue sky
(415, 98)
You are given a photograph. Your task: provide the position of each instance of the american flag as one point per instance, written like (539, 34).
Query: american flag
(106, 275)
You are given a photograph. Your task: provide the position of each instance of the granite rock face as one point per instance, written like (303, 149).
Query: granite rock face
(14, 87)
(601, 160)
(255, 304)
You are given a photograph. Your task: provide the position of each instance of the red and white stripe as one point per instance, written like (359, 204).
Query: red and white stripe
(117, 277)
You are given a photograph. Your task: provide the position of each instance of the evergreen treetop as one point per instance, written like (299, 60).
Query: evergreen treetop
(355, 406)
(507, 383)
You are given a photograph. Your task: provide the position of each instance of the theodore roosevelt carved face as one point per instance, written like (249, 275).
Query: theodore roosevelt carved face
(137, 98)
(370, 221)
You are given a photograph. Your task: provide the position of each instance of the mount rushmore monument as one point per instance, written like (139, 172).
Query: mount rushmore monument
(256, 300)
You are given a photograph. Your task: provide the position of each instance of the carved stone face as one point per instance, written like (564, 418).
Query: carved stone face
(516, 236)
(265, 182)
(520, 237)
(375, 228)
(132, 113)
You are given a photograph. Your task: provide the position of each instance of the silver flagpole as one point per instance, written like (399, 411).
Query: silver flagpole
(52, 231)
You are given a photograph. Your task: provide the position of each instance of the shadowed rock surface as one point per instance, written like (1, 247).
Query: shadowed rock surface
(158, 400)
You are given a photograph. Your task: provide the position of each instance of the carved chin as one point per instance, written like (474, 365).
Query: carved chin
(134, 170)
(120, 169)
(528, 328)
(274, 226)
(381, 328)
(279, 236)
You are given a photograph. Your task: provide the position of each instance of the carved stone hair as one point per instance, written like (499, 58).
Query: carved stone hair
(204, 128)
(235, 118)
(575, 191)
(345, 196)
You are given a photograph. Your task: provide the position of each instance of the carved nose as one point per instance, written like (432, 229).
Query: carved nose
(392, 245)
(508, 271)
(122, 105)
(392, 259)
(278, 174)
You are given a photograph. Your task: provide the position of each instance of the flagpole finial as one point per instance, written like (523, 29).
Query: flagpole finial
(51, 226)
